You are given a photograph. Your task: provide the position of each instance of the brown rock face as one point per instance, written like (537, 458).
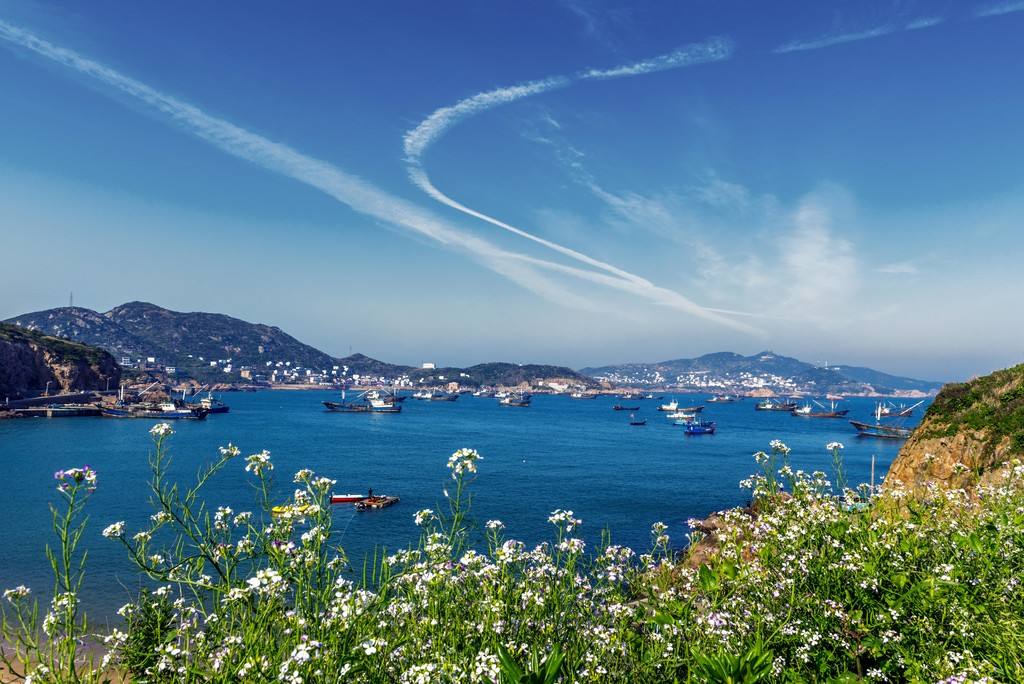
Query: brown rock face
(29, 360)
(969, 434)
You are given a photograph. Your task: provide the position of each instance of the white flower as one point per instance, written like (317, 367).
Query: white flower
(424, 516)
(114, 530)
(17, 593)
(495, 525)
(834, 446)
(779, 446)
(161, 430)
(229, 451)
(463, 461)
(257, 463)
(303, 475)
(560, 517)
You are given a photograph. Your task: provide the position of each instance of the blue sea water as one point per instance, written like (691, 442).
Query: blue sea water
(558, 453)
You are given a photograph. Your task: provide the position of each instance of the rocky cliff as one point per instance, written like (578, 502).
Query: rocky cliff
(29, 360)
(968, 435)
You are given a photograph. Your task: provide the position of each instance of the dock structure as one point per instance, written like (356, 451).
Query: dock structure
(57, 411)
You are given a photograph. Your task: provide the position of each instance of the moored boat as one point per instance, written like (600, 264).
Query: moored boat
(682, 415)
(878, 429)
(700, 427)
(372, 502)
(516, 399)
(348, 498)
(213, 405)
(163, 411)
(633, 420)
(770, 405)
(620, 407)
(670, 406)
(722, 399)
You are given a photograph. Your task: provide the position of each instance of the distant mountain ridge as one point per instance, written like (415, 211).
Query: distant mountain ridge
(730, 367)
(192, 340)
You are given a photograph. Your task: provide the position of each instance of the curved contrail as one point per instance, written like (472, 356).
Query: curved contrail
(419, 139)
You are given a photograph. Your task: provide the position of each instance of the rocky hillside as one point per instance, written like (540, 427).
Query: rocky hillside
(781, 373)
(502, 374)
(970, 432)
(29, 360)
(139, 329)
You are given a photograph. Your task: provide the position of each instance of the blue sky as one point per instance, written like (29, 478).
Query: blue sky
(573, 182)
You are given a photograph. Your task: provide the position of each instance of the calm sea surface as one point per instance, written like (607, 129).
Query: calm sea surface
(559, 453)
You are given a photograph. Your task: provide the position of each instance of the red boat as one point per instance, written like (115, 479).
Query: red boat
(347, 498)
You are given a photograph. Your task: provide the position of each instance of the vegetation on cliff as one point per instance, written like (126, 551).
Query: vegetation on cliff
(971, 430)
(805, 585)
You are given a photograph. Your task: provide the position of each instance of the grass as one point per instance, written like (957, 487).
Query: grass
(993, 404)
(808, 584)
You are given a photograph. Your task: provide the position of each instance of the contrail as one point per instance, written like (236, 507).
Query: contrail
(420, 138)
(344, 187)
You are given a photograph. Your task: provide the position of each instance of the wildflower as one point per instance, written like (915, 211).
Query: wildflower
(572, 545)
(779, 446)
(559, 517)
(303, 475)
(495, 525)
(161, 430)
(257, 463)
(17, 593)
(760, 457)
(161, 517)
(463, 461)
(114, 530)
(142, 537)
(834, 446)
(322, 484)
(424, 516)
(229, 451)
(371, 646)
(75, 476)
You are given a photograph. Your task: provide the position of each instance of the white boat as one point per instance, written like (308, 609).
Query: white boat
(670, 406)
(501, 395)
(681, 415)
(804, 410)
(423, 394)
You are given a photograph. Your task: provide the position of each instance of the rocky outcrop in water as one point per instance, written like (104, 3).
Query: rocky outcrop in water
(969, 434)
(29, 360)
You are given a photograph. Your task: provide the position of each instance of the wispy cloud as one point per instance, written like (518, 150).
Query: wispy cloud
(713, 50)
(923, 23)
(831, 39)
(1000, 8)
(419, 139)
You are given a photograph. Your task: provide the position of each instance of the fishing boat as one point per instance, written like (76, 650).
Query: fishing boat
(164, 411)
(583, 395)
(629, 396)
(483, 393)
(700, 427)
(516, 399)
(344, 406)
(382, 405)
(770, 405)
(682, 415)
(373, 502)
(633, 420)
(670, 406)
(348, 498)
(213, 405)
(807, 411)
(501, 395)
(691, 409)
(444, 396)
(421, 395)
(722, 399)
(901, 411)
(878, 429)
(651, 396)
(620, 407)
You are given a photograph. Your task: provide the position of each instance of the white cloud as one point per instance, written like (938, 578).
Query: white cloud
(831, 39)
(1001, 8)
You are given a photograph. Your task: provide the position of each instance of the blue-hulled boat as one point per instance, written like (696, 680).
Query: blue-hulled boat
(700, 427)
